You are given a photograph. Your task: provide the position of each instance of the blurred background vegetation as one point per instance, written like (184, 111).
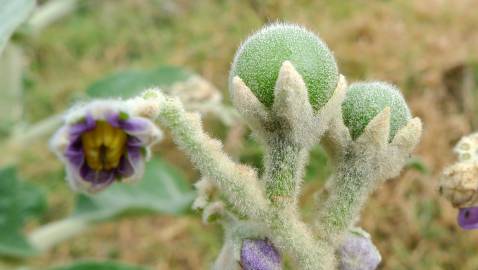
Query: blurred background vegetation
(428, 48)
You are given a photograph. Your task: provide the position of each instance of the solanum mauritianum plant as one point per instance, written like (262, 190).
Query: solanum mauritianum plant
(285, 83)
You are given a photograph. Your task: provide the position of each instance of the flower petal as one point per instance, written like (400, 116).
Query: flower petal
(74, 153)
(77, 183)
(131, 167)
(87, 124)
(60, 141)
(141, 128)
(98, 179)
(134, 142)
(82, 178)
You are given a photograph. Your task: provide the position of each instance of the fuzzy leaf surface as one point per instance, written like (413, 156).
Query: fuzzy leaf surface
(12, 14)
(132, 82)
(18, 202)
(162, 190)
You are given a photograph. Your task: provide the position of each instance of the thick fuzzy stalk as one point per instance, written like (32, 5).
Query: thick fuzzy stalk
(350, 188)
(284, 166)
(238, 183)
(292, 236)
(51, 234)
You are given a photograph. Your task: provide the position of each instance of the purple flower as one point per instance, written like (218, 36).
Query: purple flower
(102, 142)
(258, 254)
(357, 252)
(468, 218)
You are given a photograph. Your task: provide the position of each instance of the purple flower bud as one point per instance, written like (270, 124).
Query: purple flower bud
(358, 252)
(468, 218)
(102, 142)
(258, 254)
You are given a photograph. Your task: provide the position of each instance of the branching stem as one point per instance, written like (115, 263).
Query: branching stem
(237, 182)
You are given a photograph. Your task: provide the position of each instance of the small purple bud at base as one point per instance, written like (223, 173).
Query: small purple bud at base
(258, 254)
(468, 218)
(358, 253)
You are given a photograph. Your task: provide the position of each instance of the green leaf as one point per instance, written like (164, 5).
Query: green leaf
(132, 82)
(18, 201)
(11, 87)
(161, 190)
(90, 265)
(12, 14)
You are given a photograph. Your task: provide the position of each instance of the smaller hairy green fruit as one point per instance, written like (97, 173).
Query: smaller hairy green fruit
(365, 100)
(259, 59)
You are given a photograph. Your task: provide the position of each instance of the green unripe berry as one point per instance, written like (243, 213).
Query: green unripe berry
(366, 100)
(259, 59)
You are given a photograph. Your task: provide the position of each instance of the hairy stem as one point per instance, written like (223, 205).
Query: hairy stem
(293, 237)
(237, 182)
(349, 190)
(54, 233)
(284, 166)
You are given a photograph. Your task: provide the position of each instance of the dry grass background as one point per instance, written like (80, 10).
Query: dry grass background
(409, 43)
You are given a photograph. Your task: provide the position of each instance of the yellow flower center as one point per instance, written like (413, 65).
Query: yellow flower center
(103, 146)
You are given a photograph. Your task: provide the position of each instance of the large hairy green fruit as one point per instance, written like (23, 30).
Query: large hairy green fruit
(365, 100)
(258, 60)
